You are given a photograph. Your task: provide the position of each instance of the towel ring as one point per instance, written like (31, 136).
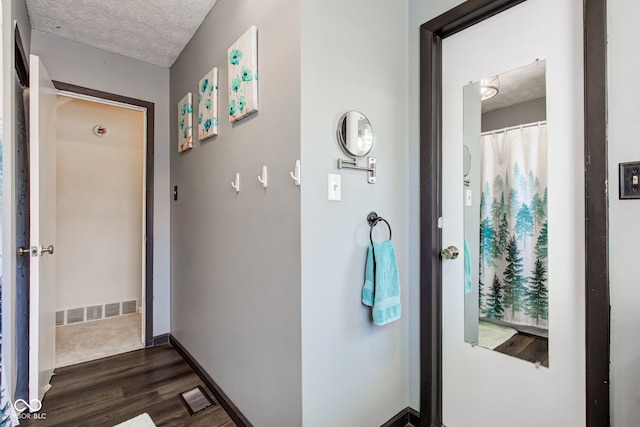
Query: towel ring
(373, 220)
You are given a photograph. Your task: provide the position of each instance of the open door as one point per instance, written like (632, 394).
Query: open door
(527, 349)
(42, 146)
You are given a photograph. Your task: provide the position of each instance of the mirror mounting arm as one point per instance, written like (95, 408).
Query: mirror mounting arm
(353, 164)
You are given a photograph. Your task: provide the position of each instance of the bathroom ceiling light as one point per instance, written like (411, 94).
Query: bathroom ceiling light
(489, 88)
(487, 92)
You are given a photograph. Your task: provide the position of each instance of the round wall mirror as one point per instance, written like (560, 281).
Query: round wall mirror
(355, 134)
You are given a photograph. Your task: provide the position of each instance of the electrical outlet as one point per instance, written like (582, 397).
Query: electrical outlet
(334, 188)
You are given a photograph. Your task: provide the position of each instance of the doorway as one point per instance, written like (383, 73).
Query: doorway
(100, 219)
(144, 302)
(432, 143)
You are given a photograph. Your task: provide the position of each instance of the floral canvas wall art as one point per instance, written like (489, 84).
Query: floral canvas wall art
(243, 76)
(208, 105)
(185, 123)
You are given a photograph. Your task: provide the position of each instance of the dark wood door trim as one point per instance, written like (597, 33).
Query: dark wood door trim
(597, 303)
(150, 107)
(596, 227)
(430, 234)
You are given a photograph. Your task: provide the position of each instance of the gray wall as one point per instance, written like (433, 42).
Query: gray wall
(624, 127)
(518, 114)
(235, 259)
(81, 65)
(354, 56)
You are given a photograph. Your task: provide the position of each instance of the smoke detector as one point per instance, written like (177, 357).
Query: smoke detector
(100, 130)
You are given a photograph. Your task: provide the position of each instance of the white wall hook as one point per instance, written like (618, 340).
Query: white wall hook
(295, 175)
(263, 178)
(236, 184)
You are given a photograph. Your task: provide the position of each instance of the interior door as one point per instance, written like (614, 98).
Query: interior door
(482, 387)
(42, 175)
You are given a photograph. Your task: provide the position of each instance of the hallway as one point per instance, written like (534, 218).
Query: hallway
(109, 391)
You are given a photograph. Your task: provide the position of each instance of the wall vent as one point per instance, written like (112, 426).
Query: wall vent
(129, 307)
(75, 315)
(60, 318)
(94, 312)
(112, 310)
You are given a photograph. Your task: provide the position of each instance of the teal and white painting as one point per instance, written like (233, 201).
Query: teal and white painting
(208, 105)
(243, 76)
(185, 123)
(513, 227)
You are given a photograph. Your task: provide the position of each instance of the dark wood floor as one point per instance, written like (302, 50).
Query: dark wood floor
(528, 347)
(109, 391)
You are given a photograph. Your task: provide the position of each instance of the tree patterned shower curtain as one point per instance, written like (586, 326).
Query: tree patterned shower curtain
(513, 226)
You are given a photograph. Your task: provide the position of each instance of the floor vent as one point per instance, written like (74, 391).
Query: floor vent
(195, 400)
(60, 318)
(129, 307)
(112, 310)
(75, 315)
(94, 312)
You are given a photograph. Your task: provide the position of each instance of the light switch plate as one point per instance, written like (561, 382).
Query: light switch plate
(334, 188)
(630, 180)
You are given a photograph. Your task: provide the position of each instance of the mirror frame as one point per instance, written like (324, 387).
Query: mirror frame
(342, 139)
(597, 322)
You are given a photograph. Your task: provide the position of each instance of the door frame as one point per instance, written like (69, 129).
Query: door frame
(149, 155)
(597, 307)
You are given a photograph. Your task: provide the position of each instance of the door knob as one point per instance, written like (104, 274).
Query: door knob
(450, 253)
(44, 249)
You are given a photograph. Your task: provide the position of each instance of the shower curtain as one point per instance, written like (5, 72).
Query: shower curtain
(513, 226)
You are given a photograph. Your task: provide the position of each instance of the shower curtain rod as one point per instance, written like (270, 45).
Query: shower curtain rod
(505, 130)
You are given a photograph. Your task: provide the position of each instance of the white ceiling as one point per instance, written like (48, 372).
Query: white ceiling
(153, 31)
(520, 85)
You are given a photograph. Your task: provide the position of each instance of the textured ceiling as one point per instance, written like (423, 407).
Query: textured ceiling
(153, 31)
(520, 85)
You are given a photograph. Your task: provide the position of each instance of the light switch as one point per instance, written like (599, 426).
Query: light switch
(469, 194)
(630, 180)
(335, 188)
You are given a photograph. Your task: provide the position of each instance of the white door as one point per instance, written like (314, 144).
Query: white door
(482, 387)
(42, 157)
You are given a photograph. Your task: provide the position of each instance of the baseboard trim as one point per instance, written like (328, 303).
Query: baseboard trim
(414, 417)
(222, 398)
(406, 416)
(159, 340)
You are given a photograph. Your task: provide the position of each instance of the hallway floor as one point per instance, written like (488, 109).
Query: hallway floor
(105, 392)
(82, 342)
